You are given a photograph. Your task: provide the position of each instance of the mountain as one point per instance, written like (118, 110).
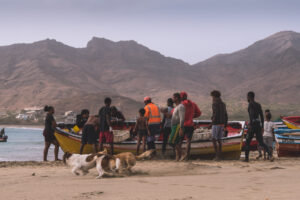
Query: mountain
(50, 72)
(270, 67)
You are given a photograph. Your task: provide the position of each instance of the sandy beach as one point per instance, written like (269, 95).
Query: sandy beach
(156, 179)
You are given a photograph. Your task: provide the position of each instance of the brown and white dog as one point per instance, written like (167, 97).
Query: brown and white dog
(119, 163)
(83, 162)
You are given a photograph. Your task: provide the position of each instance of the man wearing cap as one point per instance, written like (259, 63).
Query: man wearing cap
(191, 111)
(153, 116)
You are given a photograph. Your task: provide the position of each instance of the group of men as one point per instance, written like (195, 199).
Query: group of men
(102, 123)
(177, 124)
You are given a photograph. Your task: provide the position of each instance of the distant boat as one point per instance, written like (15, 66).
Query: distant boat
(3, 137)
(232, 143)
(287, 142)
(292, 122)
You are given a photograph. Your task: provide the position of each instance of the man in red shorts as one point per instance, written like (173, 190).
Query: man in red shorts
(106, 134)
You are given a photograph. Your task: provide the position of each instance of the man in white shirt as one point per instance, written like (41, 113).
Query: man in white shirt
(268, 135)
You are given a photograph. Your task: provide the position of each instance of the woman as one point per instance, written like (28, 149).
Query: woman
(48, 133)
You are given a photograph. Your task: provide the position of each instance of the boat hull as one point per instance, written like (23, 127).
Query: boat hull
(291, 122)
(4, 139)
(287, 146)
(231, 148)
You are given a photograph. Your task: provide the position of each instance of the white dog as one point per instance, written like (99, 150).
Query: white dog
(81, 162)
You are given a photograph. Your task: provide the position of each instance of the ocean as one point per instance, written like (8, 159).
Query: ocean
(25, 144)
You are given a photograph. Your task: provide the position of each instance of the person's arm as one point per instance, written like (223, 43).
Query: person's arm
(107, 116)
(53, 123)
(261, 116)
(214, 113)
(251, 113)
(226, 116)
(181, 117)
(197, 111)
(136, 126)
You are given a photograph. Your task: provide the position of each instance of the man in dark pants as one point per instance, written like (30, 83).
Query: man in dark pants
(256, 125)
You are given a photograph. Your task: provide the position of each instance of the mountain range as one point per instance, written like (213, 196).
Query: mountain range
(50, 72)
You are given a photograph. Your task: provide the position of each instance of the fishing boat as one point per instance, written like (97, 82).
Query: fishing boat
(287, 142)
(3, 137)
(292, 122)
(203, 147)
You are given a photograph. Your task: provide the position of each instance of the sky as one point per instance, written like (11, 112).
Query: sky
(191, 30)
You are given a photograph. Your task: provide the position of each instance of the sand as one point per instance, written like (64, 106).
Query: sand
(155, 179)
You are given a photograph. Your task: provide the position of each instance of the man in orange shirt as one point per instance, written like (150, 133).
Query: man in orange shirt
(153, 116)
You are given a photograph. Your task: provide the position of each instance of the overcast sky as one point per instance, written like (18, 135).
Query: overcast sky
(191, 30)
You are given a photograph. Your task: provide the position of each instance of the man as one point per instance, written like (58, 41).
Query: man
(191, 111)
(177, 123)
(219, 121)
(82, 118)
(105, 128)
(166, 123)
(117, 116)
(256, 125)
(89, 135)
(153, 116)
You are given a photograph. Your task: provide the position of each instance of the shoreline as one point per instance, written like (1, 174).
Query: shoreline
(21, 126)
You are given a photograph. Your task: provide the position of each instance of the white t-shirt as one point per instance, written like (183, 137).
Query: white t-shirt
(268, 126)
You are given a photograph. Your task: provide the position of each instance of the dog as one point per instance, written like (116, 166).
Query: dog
(83, 162)
(128, 159)
(107, 164)
(119, 163)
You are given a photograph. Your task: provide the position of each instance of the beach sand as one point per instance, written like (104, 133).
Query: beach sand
(156, 179)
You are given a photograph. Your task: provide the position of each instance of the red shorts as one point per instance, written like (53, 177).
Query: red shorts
(106, 137)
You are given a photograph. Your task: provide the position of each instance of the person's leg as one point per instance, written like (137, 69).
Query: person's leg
(95, 147)
(101, 135)
(81, 148)
(111, 148)
(138, 145)
(259, 139)
(165, 139)
(189, 131)
(216, 148)
(46, 148)
(56, 148)
(249, 137)
(144, 143)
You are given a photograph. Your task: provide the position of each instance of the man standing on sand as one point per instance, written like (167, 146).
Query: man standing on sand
(106, 134)
(177, 122)
(256, 125)
(153, 116)
(219, 121)
(166, 123)
(191, 111)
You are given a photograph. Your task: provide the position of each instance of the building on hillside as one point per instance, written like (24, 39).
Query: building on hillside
(70, 117)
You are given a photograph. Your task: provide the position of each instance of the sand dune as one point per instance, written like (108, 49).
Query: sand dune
(156, 179)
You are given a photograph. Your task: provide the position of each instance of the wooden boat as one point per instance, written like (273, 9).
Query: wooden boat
(292, 122)
(287, 142)
(3, 137)
(232, 144)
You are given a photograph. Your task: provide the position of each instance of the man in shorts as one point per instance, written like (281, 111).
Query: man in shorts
(106, 134)
(219, 121)
(89, 135)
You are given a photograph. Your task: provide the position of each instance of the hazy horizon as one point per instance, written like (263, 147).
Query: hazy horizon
(188, 30)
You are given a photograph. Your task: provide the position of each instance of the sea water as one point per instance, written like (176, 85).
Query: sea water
(25, 144)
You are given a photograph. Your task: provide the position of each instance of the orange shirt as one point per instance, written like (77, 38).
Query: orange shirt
(152, 113)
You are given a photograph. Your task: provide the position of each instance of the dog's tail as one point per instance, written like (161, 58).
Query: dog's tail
(146, 154)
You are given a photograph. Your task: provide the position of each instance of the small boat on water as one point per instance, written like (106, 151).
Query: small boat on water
(200, 147)
(287, 142)
(3, 137)
(292, 122)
